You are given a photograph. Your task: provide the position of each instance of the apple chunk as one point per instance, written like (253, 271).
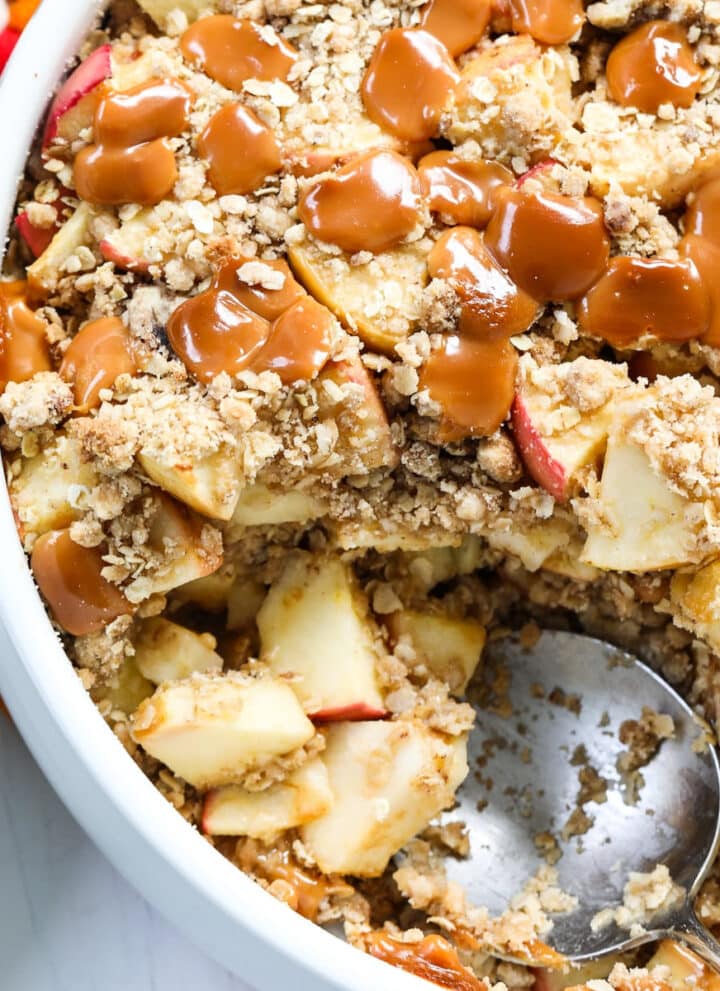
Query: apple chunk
(380, 300)
(159, 9)
(127, 688)
(643, 525)
(696, 598)
(45, 272)
(210, 730)
(315, 632)
(166, 651)
(74, 106)
(209, 485)
(259, 505)
(301, 797)
(388, 779)
(450, 648)
(686, 968)
(45, 494)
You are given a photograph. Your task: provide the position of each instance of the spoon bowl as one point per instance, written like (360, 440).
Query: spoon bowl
(547, 712)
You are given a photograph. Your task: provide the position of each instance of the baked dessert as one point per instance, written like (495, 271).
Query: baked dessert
(337, 338)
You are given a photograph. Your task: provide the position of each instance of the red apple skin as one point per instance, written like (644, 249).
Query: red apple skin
(36, 238)
(111, 254)
(536, 172)
(354, 712)
(207, 808)
(541, 465)
(90, 74)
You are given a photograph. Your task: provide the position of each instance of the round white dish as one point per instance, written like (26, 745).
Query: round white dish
(213, 903)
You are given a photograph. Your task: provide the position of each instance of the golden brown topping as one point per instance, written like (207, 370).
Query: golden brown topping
(214, 332)
(492, 305)
(98, 354)
(250, 280)
(70, 579)
(230, 50)
(473, 381)
(23, 341)
(638, 296)
(408, 83)
(461, 190)
(240, 150)
(433, 958)
(458, 24)
(368, 205)
(132, 161)
(554, 247)
(705, 254)
(703, 214)
(552, 22)
(653, 65)
(299, 343)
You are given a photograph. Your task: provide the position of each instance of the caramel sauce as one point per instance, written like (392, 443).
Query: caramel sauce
(408, 83)
(132, 161)
(299, 344)
(552, 22)
(70, 579)
(492, 305)
(23, 341)
(653, 296)
(554, 247)
(240, 150)
(461, 190)
(97, 355)
(230, 50)
(458, 24)
(473, 381)
(267, 303)
(368, 205)
(705, 254)
(702, 216)
(433, 958)
(653, 65)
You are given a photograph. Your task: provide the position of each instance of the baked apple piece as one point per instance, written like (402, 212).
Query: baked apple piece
(166, 651)
(388, 780)
(696, 599)
(301, 797)
(73, 108)
(259, 505)
(451, 648)
(126, 246)
(316, 634)
(210, 730)
(686, 969)
(209, 485)
(533, 543)
(159, 9)
(126, 689)
(47, 270)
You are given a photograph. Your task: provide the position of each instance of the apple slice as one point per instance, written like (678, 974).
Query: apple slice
(210, 485)
(159, 9)
(259, 505)
(244, 602)
(347, 394)
(316, 633)
(644, 525)
(45, 272)
(45, 494)
(686, 968)
(532, 543)
(166, 651)
(451, 648)
(210, 730)
(127, 688)
(380, 300)
(74, 106)
(211, 594)
(37, 238)
(388, 779)
(126, 245)
(301, 797)
(695, 598)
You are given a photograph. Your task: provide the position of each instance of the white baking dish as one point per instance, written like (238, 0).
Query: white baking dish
(218, 908)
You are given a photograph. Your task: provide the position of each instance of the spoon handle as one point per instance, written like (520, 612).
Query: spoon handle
(687, 928)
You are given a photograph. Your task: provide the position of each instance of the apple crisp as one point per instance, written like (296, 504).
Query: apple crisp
(338, 338)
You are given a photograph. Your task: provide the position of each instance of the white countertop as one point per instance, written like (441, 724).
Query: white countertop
(68, 921)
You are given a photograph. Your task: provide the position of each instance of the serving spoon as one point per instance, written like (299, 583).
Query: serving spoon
(536, 706)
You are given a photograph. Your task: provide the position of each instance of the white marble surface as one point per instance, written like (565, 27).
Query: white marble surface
(68, 921)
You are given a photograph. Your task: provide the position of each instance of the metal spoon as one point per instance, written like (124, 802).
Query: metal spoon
(522, 783)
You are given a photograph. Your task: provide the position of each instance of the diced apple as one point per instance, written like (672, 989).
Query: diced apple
(696, 597)
(159, 9)
(127, 688)
(566, 561)
(388, 779)
(37, 238)
(347, 394)
(44, 273)
(45, 493)
(644, 525)
(301, 797)
(380, 300)
(210, 730)
(209, 485)
(166, 651)
(244, 602)
(316, 632)
(440, 564)
(125, 246)
(686, 968)
(211, 593)
(74, 106)
(259, 505)
(558, 979)
(532, 543)
(451, 648)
